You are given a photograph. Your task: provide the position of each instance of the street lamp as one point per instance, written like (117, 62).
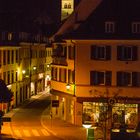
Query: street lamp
(23, 71)
(68, 86)
(87, 126)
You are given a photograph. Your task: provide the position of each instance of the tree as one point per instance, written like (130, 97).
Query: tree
(5, 94)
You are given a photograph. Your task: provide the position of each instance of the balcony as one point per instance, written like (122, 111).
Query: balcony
(61, 60)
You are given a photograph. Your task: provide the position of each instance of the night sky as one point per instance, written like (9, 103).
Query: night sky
(31, 7)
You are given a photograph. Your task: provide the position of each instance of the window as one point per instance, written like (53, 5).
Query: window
(12, 76)
(17, 56)
(127, 53)
(71, 51)
(128, 78)
(4, 57)
(12, 56)
(4, 77)
(100, 77)
(9, 36)
(62, 75)
(70, 76)
(136, 27)
(54, 73)
(8, 56)
(8, 77)
(3, 36)
(100, 52)
(109, 27)
(16, 76)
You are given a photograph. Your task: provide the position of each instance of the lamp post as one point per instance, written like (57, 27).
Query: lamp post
(87, 126)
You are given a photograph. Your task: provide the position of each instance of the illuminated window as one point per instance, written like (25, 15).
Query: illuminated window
(100, 77)
(65, 5)
(136, 27)
(9, 36)
(100, 52)
(127, 53)
(109, 27)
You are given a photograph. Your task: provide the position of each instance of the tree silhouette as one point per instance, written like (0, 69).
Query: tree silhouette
(5, 94)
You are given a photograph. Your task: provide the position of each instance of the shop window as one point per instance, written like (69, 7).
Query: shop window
(65, 6)
(93, 112)
(124, 114)
(100, 77)
(69, 6)
(100, 52)
(127, 53)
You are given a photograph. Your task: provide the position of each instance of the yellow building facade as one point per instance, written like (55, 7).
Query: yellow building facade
(86, 86)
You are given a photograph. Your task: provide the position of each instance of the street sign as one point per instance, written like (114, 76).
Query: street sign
(6, 119)
(55, 103)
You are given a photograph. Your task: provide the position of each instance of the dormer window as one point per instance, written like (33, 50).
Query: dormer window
(9, 36)
(135, 27)
(109, 27)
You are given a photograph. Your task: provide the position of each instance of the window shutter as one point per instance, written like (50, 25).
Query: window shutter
(93, 78)
(119, 79)
(134, 53)
(108, 52)
(135, 79)
(119, 52)
(108, 76)
(93, 52)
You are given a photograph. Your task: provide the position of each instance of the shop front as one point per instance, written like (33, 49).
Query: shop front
(120, 114)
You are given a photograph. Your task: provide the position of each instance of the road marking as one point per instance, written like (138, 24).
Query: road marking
(35, 132)
(26, 133)
(17, 132)
(46, 133)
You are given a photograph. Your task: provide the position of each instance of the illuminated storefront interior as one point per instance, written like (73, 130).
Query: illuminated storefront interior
(121, 114)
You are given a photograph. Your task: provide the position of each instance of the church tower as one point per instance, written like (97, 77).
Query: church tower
(67, 7)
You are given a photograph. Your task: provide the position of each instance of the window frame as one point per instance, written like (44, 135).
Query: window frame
(135, 27)
(109, 27)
